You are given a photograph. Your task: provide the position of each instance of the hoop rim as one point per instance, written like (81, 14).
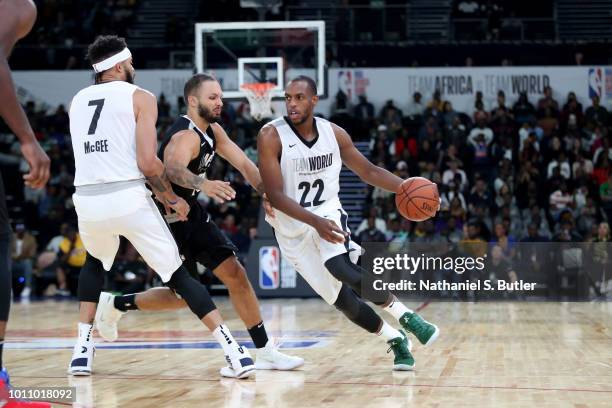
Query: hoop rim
(258, 88)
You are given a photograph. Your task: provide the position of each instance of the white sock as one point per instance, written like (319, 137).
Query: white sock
(225, 339)
(387, 332)
(397, 309)
(85, 332)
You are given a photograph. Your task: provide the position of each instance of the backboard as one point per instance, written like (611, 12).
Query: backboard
(272, 51)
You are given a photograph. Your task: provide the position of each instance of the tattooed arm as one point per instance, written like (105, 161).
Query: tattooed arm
(145, 110)
(182, 148)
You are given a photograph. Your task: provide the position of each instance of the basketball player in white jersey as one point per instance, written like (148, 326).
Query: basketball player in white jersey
(300, 158)
(188, 151)
(112, 126)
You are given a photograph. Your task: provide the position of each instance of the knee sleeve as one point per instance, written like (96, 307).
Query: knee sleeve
(347, 272)
(193, 292)
(5, 277)
(356, 310)
(91, 280)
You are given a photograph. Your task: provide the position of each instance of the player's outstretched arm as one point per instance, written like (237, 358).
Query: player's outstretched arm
(183, 147)
(269, 148)
(237, 158)
(360, 165)
(145, 110)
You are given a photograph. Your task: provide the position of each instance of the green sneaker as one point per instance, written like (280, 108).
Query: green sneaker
(426, 332)
(401, 346)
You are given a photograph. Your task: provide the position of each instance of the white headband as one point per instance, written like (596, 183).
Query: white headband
(112, 60)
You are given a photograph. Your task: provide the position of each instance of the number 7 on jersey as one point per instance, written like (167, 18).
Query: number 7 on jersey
(99, 104)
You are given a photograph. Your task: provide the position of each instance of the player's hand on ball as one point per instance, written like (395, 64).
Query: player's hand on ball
(330, 231)
(180, 207)
(219, 190)
(267, 206)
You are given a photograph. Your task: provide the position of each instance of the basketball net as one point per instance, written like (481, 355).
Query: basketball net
(259, 95)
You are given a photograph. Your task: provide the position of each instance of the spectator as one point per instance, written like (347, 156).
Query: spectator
(23, 252)
(364, 110)
(480, 195)
(547, 101)
(415, 107)
(379, 222)
(454, 173)
(596, 114)
(371, 233)
(435, 105)
(391, 117)
(561, 163)
(559, 201)
(448, 114)
(533, 235)
(71, 257)
(130, 272)
(524, 112)
(481, 129)
(605, 195)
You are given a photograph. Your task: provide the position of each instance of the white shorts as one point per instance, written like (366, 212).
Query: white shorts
(309, 252)
(130, 213)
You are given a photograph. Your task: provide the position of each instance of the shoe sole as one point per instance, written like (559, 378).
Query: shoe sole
(104, 297)
(79, 373)
(402, 367)
(246, 373)
(271, 366)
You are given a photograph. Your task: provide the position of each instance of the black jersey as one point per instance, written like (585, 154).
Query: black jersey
(201, 163)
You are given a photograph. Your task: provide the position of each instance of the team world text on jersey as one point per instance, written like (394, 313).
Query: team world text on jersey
(310, 170)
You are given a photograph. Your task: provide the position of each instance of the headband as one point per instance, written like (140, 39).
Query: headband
(112, 60)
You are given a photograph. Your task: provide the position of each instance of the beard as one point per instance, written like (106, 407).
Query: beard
(129, 77)
(207, 114)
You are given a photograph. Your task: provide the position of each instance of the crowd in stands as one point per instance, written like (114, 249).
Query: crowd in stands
(516, 171)
(503, 167)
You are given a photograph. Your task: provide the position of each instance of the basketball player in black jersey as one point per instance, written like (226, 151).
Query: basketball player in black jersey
(187, 152)
(16, 20)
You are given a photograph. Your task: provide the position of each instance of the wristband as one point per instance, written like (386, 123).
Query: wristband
(171, 202)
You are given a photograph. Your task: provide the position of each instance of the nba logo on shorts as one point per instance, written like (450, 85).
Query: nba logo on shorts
(595, 82)
(269, 267)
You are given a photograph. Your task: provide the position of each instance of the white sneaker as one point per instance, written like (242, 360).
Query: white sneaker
(82, 358)
(107, 317)
(25, 293)
(240, 364)
(270, 358)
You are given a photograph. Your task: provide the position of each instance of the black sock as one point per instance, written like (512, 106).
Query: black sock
(1, 349)
(126, 302)
(259, 335)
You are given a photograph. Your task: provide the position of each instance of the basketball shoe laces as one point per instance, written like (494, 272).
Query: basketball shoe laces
(398, 350)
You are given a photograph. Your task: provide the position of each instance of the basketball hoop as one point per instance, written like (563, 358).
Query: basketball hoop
(259, 95)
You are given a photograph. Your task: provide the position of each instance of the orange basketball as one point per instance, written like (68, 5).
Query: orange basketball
(417, 199)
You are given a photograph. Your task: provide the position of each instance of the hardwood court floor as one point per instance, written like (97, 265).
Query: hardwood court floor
(488, 354)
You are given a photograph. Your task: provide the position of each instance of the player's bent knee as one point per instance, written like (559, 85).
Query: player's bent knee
(232, 274)
(193, 292)
(91, 280)
(356, 310)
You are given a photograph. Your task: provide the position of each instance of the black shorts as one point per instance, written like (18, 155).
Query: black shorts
(199, 238)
